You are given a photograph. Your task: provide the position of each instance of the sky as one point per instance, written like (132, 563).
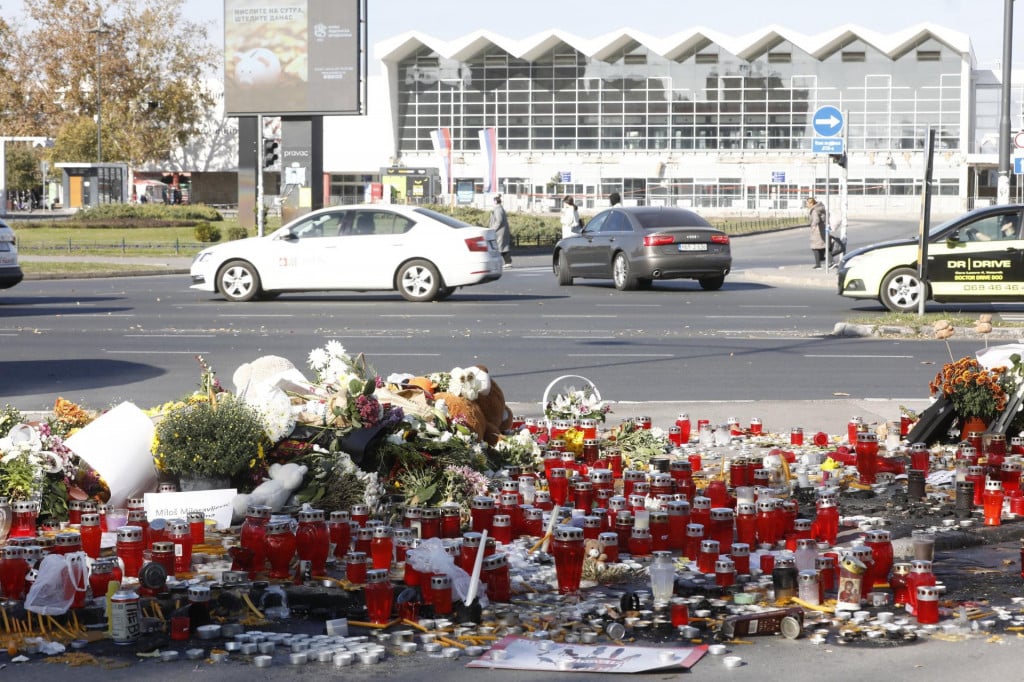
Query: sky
(982, 20)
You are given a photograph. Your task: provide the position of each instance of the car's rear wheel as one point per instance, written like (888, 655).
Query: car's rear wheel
(238, 281)
(562, 271)
(621, 274)
(418, 281)
(711, 283)
(902, 290)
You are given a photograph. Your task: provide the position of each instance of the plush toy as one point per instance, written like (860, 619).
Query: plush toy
(485, 413)
(284, 479)
(496, 413)
(465, 411)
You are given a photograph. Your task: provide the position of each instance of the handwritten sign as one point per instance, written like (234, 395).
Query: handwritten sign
(215, 504)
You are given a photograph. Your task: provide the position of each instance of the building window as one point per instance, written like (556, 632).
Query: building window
(780, 58)
(706, 58)
(854, 56)
(929, 56)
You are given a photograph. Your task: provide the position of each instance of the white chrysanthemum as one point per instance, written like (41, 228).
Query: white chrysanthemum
(336, 350)
(318, 359)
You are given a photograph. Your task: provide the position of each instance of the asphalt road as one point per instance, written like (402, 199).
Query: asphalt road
(766, 335)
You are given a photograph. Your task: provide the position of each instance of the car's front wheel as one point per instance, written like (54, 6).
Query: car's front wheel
(621, 273)
(238, 281)
(418, 280)
(902, 290)
(562, 271)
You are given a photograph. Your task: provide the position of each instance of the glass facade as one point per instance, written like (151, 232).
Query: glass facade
(703, 98)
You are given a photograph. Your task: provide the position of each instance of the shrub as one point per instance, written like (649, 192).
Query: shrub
(178, 213)
(207, 233)
(237, 232)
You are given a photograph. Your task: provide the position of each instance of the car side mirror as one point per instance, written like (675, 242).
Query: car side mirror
(954, 237)
(289, 237)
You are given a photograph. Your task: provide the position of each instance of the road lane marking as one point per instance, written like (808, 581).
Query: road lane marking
(566, 338)
(628, 305)
(406, 316)
(118, 351)
(255, 315)
(746, 317)
(621, 355)
(854, 355)
(585, 317)
(170, 336)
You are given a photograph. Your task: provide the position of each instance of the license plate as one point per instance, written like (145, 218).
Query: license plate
(693, 247)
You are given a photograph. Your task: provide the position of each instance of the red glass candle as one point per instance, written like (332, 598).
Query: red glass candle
(721, 526)
(380, 596)
(992, 502)
(533, 522)
(129, 549)
(709, 550)
(683, 422)
(558, 486)
(340, 533)
(769, 528)
(826, 568)
(678, 517)
(253, 537)
(382, 547)
(624, 529)
(796, 436)
(495, 574)
(468, 550)
(695, 461)
(694, 536)
(163, 554)
(589, 428)
(920, 575)
(679, 612)
(451, 521)
(867, 457)
(568, 551)
(312, 541)
(197, 527)
(920, 457)
(927, 604)
(542, 500)
(700, 511)
(75, 512)
(583, 495)
(746, 523)
(103, 572)
(675, 436)
(280, 544)
(91, 534)
(1009, 476)
(137, 517)
(739, 552)
(609, 543)
(725, 573)
(880, 543)
(13, 569)
(25, 514)
(360, 513)
(440, 594)
(430, 523)
(363, 539)
(501, 528)
(660, 531)
(179, 533)
(640, 542)
(482, 512)
(853, 427)
(756, 427)
(976, 474)
(66, 543)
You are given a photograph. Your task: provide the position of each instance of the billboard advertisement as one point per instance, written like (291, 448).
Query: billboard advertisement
(298, 57)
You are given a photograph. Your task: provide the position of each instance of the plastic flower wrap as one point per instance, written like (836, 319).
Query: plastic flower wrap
(577, 405)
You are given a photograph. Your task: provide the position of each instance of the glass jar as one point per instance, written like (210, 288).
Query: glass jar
(501, 528)
(253, 537)
(746, 523)
(163, 554)
(340, 532)
(280, 543)
(312, 541)
(694, 536)
(533, 522)
(784, 575)
(769, 526)
(66, 543)
(640, 542)
(482, 510)
(129, 549)
(430, 523)
(441, 594)
(356, 568)
(180, 534)
(360, 513)
(495, 574)
(197, 526)
(739, 552)
(25, 513)
(867, 457)
(662, 573)
(678, 517)
(74, 513)
(725, 572)
(91, 534)
(660, 531)
(13, 572)
(568, 552)
(363, 539)
(451, 520)
(808, 586)
(721, 526)
(609, 544)
(708, 555)
(880, 542)
(583, 495)
(379, 596)
(992, 502)
(624, 529)
(898, 583)
(679, 469)
(103, 572)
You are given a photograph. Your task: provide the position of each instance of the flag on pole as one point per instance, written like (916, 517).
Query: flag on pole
(489, 158)
(442, 141)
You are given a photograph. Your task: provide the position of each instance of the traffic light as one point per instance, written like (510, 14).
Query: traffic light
(839, 159)
(270, 152)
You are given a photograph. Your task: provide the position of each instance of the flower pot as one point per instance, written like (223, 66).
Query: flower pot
(973, 424)
(190, 484)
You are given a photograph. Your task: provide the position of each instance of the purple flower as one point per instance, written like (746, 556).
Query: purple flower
(369, 410)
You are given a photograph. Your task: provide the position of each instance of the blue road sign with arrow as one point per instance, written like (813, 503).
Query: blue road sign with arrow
(827, 121)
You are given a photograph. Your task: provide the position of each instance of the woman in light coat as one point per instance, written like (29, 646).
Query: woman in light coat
(817, 223)
(570, 218)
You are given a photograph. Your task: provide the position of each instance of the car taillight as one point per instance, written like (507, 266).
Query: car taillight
(719, 239)
(477, 244)
(658, 239)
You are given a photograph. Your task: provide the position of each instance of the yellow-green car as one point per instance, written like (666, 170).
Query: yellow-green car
(975, 257)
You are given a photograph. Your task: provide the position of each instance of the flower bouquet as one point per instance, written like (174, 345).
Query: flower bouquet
(974, 390)
(577, 404)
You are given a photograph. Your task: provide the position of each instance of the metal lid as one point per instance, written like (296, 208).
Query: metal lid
(198, 593)
(568, 533)
(382, 531)
(196, 517)
(163, 547)
(258, 511)
(378, 575)
(440, 582)
(311, 515)
(790, 627)
(501, 520)
(129, 534)
(90, 520)
(360, 509)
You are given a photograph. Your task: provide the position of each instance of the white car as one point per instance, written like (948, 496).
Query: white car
(10, 271)
(423, 254)
(975, 257)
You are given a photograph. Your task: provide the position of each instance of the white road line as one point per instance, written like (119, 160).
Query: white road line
(566, 338)
(745, 317)
(170, 336)
(396, 335)
(852, 355)
(408, 355)
(77, 315)
(417, 315)
(621, 355)
(118, 351)
(248, 315)
(628, 305)
(585, 317)
(773, 306)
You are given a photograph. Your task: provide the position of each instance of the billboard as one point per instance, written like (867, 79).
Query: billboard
(293, 57)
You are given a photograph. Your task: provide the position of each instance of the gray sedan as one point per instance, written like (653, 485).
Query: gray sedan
(633, 246)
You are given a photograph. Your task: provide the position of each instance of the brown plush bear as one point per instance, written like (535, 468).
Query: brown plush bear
(488, 416)
(496, 412)
(466, 411)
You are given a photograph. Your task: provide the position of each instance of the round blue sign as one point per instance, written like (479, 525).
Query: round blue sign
(827, 121)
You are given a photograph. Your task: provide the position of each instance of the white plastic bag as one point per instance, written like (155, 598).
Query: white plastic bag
(431, 558)
(53, 591)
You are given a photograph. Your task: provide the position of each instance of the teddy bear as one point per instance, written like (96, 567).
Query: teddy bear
(284, 479)
(486, 414)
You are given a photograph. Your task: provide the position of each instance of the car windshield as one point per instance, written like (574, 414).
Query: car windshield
(442, 218)
(659, 218)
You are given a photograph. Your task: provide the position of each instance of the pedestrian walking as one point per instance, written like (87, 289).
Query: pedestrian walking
(499, 223)
(816, 211)
(570, 218)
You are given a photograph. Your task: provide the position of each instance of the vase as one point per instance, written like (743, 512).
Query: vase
(189, 483)
(973, 424)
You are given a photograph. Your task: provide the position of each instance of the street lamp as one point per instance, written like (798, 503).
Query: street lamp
(99, 30)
